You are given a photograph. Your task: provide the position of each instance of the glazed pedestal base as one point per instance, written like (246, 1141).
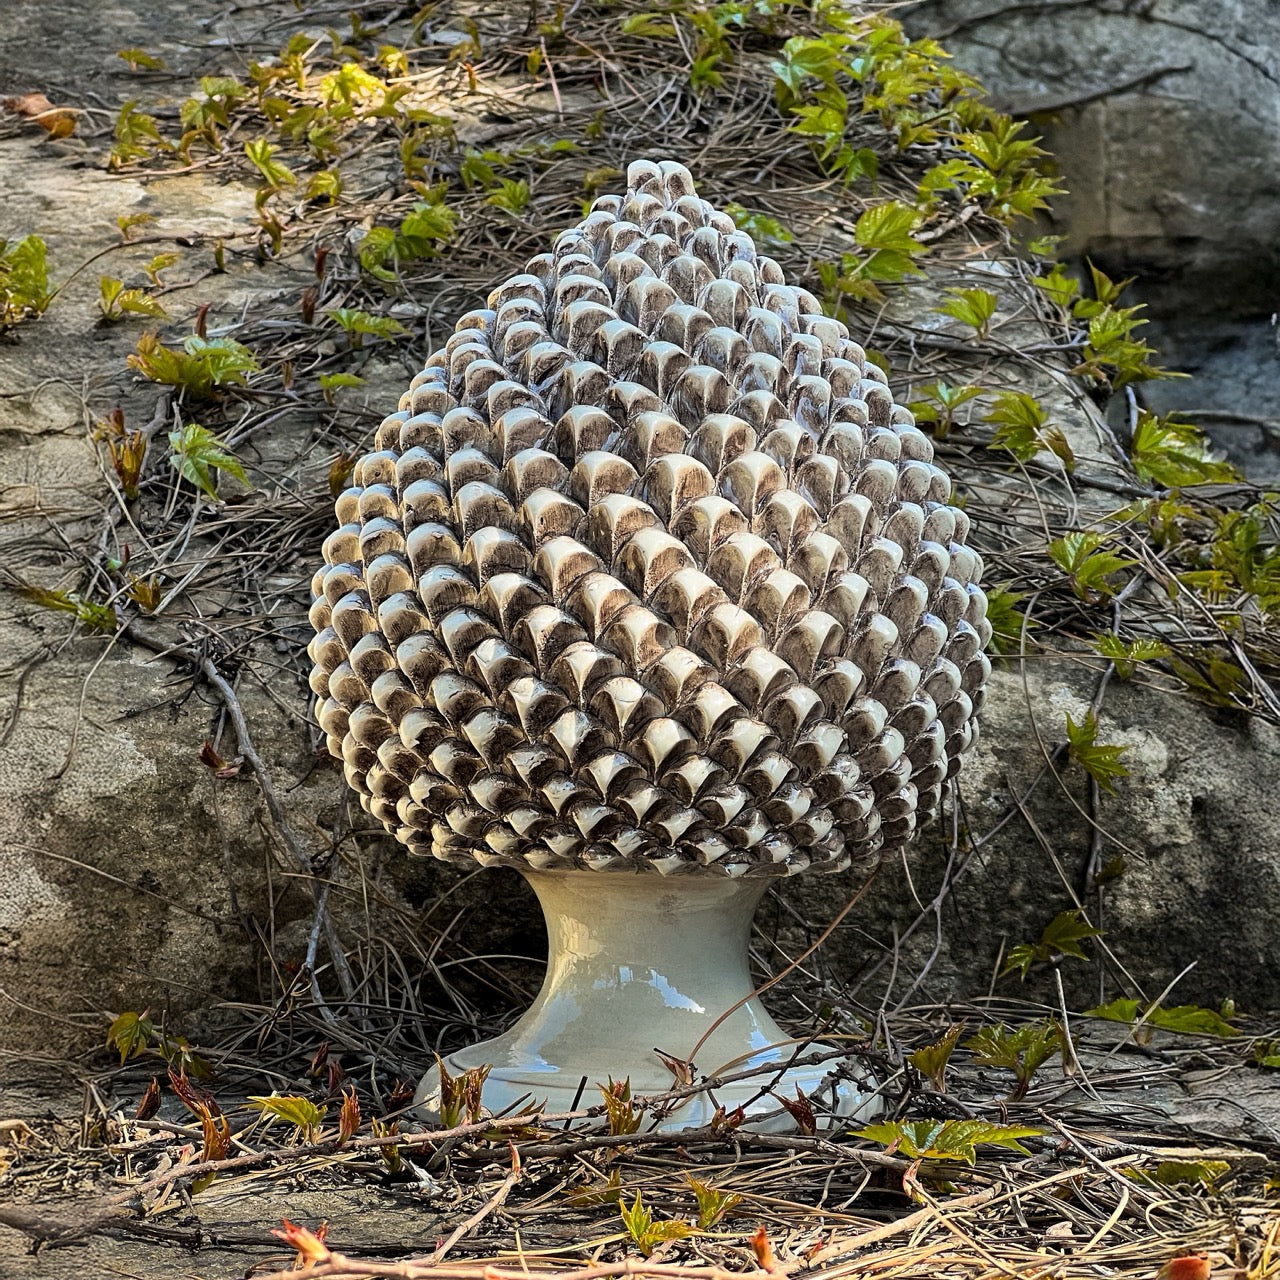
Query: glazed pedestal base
(640, 963)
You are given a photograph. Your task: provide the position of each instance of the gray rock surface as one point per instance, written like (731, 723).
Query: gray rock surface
(1164, 116)
(1195, 830)
(117, 866)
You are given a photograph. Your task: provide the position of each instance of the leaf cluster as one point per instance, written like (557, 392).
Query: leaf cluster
(713, 1204)
(1182, 1019)
(197, 454)
(938, 404)
(1061, 937)
(126, 451)
(947, 1139)
(305, 1116)
(620, 1111)
(1100, 760)
(1088, 566)
(116, 302)
(199, 367)
(1182, 1173)
(645, 1233)
(972, 307)
(762, 228)
(1125, 655)
(888, 248)
(1023, 428)
(1022, 1050)
(132, 1034)
(137, 136)
(931, 1061)
(1174, 454)
(461, 1096)
(89, 613)
(421, 234)
(357, 324)
(24, 280)
(1008, 622)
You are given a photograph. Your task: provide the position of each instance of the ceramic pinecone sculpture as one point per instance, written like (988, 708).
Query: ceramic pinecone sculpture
(649, 572)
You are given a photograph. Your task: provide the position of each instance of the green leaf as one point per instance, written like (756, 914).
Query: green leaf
(331, 383)
(938, 404)
(759, 226)
(1044, 246)
(1191, 1019)
(890, 227)
(1122, 1009)
(1174, 454)
(803, 58)
(354, 88)
(931, 1061)
(1174, 1173)
(476, 169)
(325, 184)
(137, 136)
(225, 360)
(1125, 656)
(1058, 286)
(115, 301)
(98, 617)
(511, 195)
(305, 1116)
(1088, 568)
(947, 176)
(336, 381)
(130, 1034)
(1060, 937)
(1182, 1019)
(1213, 678)
(198, 453)
(972, 307)
(704, 73)
(158, 264)
(1101, 761)
(1064, 933)
(1113, 356)
(655, 26)
(424, 228)
(276, 172)
(1266, 1053)
(713, 1203)
(140, 60)
(357, 323)
(24, 280)
(1106, 293)
(1022, 1050)
(1022, 427)
(947, 1139)
(1008, 621)
(202, 364)
(949, 397)
(645, 1233)
(427, 223)
(619, 1109)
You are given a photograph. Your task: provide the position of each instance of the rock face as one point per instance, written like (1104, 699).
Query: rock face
(117, 864)
(1165, 119)
(1196, 833)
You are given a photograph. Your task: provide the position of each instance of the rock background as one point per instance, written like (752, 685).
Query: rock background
(117, 867)
(1164, 118)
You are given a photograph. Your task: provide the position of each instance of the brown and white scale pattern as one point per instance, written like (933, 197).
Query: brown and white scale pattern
(650, 572)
